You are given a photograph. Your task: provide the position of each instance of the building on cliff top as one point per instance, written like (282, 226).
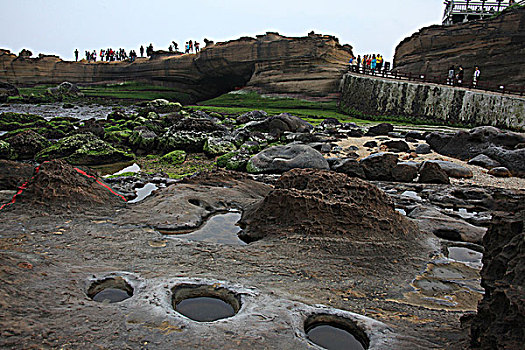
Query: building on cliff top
(458, 11)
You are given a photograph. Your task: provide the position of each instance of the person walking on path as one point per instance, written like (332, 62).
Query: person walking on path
(141, 51)
(76, 55)
(451, 73)
(475, 77)
(460, 75)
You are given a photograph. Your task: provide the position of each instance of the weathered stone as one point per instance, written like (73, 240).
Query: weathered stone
(379, 166)
(190, 134)
(500, 172)
(7, 90)
(65, 89)
(143, 140)
(499, 321)
(174, 158)
(404, 172)
(349, 166)
(83, 149)
(434, 222)
(370, 144)
(27, 144)
(216, 146)
(279, 159)
(164, 106)
(452, 169)
(484, 161)
(326, 203)
(380, 129)
(423, 148)
(14, 174)
(397, 146)
(251, 116)
(233, 161)
(432, 173)
(6, 152)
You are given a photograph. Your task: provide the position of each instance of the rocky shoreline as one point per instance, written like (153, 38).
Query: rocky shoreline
(375, 225)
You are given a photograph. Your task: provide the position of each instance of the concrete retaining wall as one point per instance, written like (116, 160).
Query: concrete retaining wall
(379, 96)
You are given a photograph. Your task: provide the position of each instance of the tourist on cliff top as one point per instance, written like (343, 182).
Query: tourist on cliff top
(379, 62)
(175, 46)
(94, 56)
(141, 51)
(358, 62)
(187, 50)
(451, 75)
(191, 46)
(76, 54)
(373, 64)
(460, 75)
(197, 47)
(149, 50)
(475, 77)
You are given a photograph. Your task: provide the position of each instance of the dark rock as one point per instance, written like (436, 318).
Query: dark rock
(404, 172)
(287, 122)
(500, 172)
(163, 106)
(218, 146)
(355, 133)
(326, 203)
(484, 161)
(434, 222)
(352, 148)
(397, 146)
(501, 313)
(233, 161)
(66, 89)
(379, 166)
(6, 152)
(190, 135)
(370, 144)
(514, 160)
(452, 169)
(432, 173)
(279, 159)
(91, 126)
(27, 144)
(251, 116)
(7, 90)
(416, 135)
(348, 166)
(380, 129)
(423, 148)
(14, 174)
(143, 140)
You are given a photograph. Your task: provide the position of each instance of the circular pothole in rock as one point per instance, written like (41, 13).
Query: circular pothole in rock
(333, 332)
(205, 303)
(110, 290)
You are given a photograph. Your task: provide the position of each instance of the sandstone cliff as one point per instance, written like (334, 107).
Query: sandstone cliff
(309, 66)
(496, 45)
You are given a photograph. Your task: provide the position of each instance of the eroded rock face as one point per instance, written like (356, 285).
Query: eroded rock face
(58, 187)
(501, 312)
(490, 44)
(319, 202)
(279, 159)
(269, 63)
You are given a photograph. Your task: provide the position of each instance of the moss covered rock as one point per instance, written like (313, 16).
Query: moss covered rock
(164, 106)
(233, 161)
(84, 149)
(27, 144)
(143, 141)
(6, 152)
(22, 118)
(216, 146)
(174, 158)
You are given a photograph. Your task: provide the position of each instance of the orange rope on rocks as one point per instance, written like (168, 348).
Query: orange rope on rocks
(37, 169)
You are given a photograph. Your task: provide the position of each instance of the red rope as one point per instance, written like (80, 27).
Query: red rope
(22, 188)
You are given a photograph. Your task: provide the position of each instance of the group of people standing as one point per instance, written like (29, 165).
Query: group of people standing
(456, 77)
(372, 62)
(190, 45)
(109, 55)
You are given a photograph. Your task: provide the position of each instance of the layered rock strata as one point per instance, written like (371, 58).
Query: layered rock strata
(496, 45)
(309, 66)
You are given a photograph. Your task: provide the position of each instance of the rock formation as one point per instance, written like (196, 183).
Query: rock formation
(309, 66)
(495, 45)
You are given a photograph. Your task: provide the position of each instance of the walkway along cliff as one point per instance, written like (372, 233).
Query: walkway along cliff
(432, 102)
(310, 66)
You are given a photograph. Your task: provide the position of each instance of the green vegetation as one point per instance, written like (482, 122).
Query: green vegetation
(195, 162)
(174, 158)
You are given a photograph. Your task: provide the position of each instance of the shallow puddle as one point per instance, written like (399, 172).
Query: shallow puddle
(134, 168)
(220, 228)
(143, 192)
(52, 110)
(331, 337)
(111, 295)
(205, 309)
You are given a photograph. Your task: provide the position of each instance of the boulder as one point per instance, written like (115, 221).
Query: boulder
(396, 146)
(434, 222)
(190, 135)
(370, 144)
(452, 169)
(143, 140)
(7, 90)
(317, 202)
(404, 172)
(423, 148)
(217, 146)
(379, 166)
(348, 166)
(484, 161)
(174, 158)
(279, 124)
(27, 144)
(432, 173)
(500, 172)
(65, 89)
(164, 106)
(380, 129)
(514, 160)
(499, 321)
(280, 159)
(6, 152)
(84, 149)
(251, 116)
(233, 161)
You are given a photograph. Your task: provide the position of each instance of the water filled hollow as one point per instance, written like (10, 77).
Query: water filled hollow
(110, 290)
(335, 333)
(220, 228)
(143, 192)
(205, 303)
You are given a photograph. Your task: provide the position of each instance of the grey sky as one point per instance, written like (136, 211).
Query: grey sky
(60, 26)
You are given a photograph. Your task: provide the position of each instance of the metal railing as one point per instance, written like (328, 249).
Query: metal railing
(512, 89)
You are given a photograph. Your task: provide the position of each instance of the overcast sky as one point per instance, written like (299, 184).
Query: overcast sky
(60, 26)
